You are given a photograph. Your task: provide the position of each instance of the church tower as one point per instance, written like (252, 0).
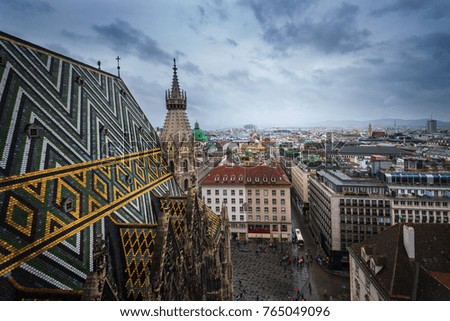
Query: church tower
(177, 140)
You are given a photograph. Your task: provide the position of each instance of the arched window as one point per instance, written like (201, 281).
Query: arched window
(185, 166)
(172, 166)
(186, 184)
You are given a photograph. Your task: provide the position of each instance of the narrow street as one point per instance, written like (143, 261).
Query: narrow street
(321, 279)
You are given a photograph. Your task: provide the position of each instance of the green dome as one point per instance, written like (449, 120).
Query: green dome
(199, 134)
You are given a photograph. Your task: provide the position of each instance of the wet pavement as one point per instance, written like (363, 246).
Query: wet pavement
(262, 272)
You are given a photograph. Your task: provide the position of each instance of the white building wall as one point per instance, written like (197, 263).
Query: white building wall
(362, 286)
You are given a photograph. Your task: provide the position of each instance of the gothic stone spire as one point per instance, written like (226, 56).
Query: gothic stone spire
(175, 98)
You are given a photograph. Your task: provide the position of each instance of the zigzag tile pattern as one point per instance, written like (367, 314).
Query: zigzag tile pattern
(75, 147)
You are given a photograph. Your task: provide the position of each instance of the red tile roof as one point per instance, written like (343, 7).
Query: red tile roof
(247, 175)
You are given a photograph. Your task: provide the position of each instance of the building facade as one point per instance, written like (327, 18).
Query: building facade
(419, 197)
(344, 210)
(257, 199)
(349, 209)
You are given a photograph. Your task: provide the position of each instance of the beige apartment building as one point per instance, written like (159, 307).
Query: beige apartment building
(257, 199)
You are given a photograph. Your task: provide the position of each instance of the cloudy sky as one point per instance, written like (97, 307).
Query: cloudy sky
(266, 62)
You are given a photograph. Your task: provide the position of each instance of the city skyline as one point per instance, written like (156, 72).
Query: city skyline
(257, 62)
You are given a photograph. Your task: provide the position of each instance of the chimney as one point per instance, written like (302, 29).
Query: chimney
(408, 241)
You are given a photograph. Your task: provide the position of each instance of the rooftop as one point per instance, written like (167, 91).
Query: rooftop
(399, 273)
(247, 175)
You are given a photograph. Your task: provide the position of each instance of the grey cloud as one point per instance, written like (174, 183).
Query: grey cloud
(266, 11)
(205, 12)
(237, 75)
(75, 36)
(191, 68)
(232, 42)
(34, 6)
(336, 32)
(434, 9)
(375, 61)
(202, 13)
(413, 78)
(429, 60)
(56, 47)
(125, 39)
(221, 10)
(235, 78)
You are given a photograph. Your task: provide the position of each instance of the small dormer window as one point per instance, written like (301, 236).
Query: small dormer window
(129, 180)
(32, 130)
(217, 178)
(241, 178)
(249, 179)
(232, 178)
(68, 205)
(273, 179)
(265, 179)
(256, 179)
(104, 130)
(225, 178)
(80, 80)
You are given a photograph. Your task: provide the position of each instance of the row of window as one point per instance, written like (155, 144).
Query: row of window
(421, 219)
(422, 203)
(241, 178)
(358, 229)
(249, 192)
(365, 211)
(266, 201)
(225, 201)
(420, 192)
(225, 192)
(250, 201)
(233, 209)
(266, 218)
(365, 220)
(266, 209)
(364, 202)
(417, 212)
